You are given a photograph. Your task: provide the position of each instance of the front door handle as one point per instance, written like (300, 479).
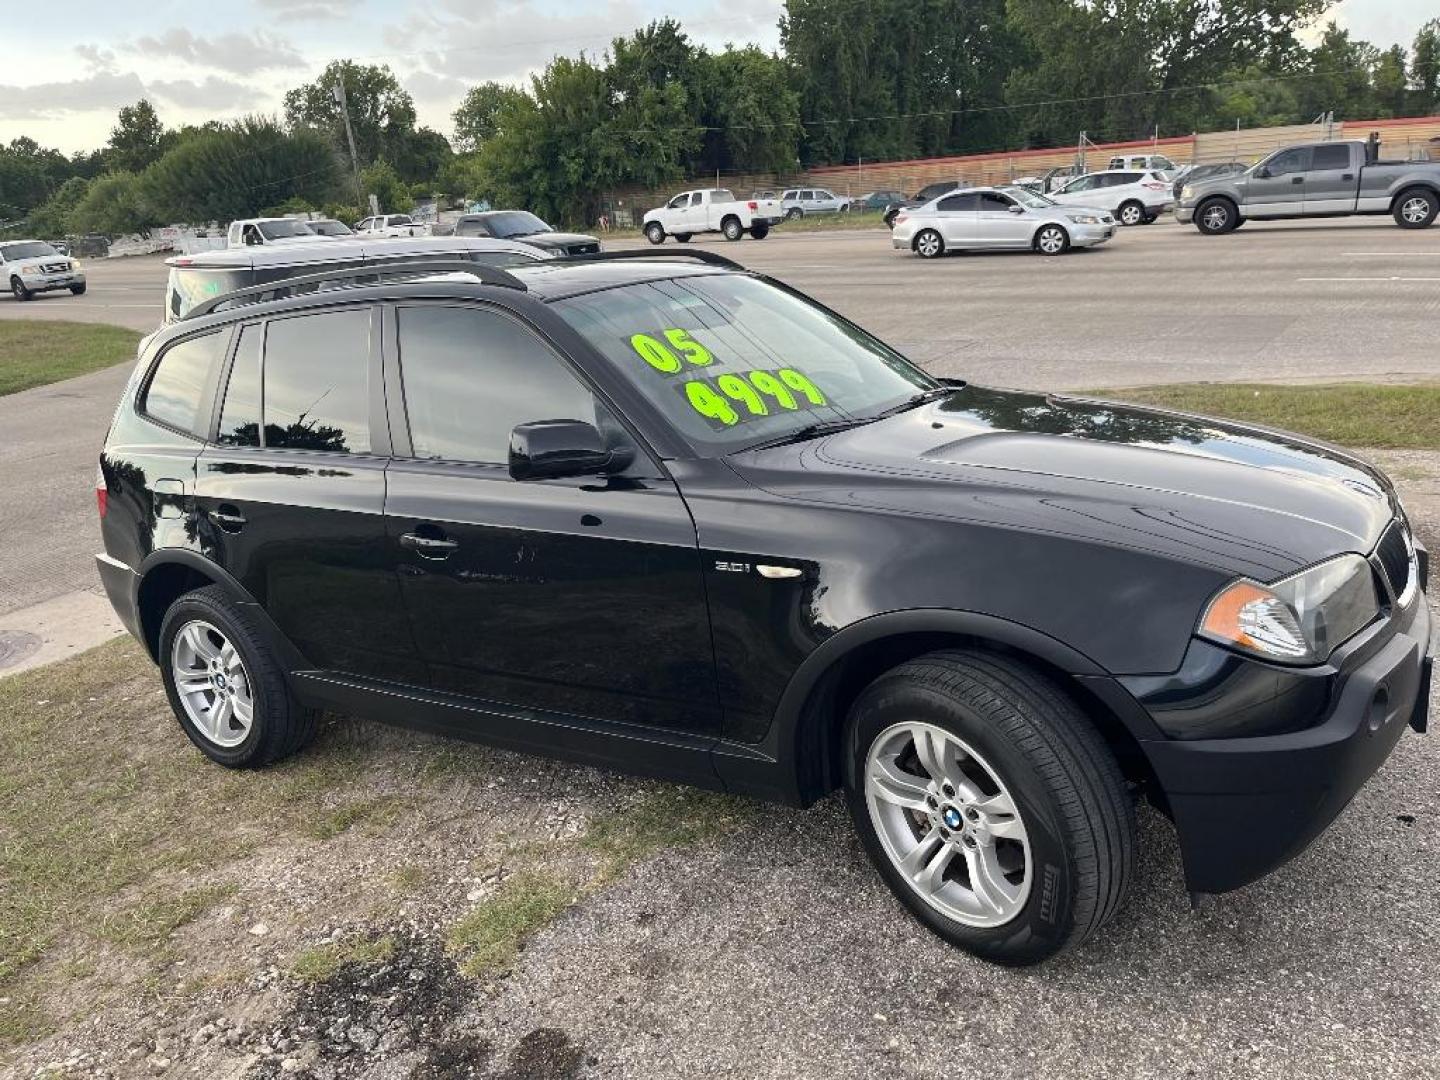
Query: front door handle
(1347, 176)
(1298, 180)
(228, 518)
(428, 547)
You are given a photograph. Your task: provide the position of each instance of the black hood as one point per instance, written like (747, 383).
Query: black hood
(1238, 498)
(561, 242)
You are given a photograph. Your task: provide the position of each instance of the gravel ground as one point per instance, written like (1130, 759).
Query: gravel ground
(769, 950)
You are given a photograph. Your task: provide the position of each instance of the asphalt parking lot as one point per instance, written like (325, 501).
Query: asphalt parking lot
(1286, 302)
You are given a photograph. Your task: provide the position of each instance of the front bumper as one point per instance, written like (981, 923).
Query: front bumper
(1244, 806)
(1184, 214)
(50, 282)
(1090, 235)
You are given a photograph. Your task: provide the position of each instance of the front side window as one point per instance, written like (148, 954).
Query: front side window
(1290, 161)
(731, 360)
(471, 376)
(1084, 183)
(317, 382)
(176, 393)
(994, 202)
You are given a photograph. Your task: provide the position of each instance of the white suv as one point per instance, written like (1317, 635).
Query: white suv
(797, 202)
(1133, 196)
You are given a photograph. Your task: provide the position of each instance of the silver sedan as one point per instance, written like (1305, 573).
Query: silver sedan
(1006, 218)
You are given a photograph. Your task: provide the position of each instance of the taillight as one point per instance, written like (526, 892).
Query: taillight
(102, 493)
(1154, 186)
(754, 205)
(900, 218)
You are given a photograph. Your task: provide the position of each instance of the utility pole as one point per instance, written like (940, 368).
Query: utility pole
(337, 94)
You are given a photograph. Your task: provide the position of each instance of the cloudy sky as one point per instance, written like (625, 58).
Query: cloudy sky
(64, 70)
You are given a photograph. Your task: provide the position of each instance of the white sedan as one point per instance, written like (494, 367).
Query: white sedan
(1008, 218)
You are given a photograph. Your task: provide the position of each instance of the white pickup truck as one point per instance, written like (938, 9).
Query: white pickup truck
(392, 225)
(711, 210)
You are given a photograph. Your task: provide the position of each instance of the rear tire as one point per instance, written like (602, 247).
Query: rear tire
(682, 237)
(18, 288)
(1416, 209)
(1130, 213)
(221, 654)
(732, 229)
(1216, 216)
(1036, 831)
(759, 232)
(794, 213)
(655, 233)
(929, 244)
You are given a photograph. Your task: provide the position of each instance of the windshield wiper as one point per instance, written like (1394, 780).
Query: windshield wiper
(910, 402)
(811, 431)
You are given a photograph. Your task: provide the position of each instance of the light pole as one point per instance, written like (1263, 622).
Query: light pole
(337, 93)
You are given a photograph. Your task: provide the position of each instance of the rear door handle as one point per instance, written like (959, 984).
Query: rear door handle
(1298, 180)
(1347, 176)
(228, 518)
(428, 547)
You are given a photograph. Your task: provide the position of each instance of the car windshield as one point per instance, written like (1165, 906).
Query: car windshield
(30, 249)
(733, 361)
(330, 228)
(1026, 197)
(515, 223)
(282, 230)
(189, 286)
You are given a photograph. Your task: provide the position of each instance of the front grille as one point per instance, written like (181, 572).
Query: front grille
(582, 249)
(1393, 552)
(55, 268)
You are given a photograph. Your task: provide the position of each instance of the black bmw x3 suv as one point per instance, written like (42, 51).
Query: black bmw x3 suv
(670, 516)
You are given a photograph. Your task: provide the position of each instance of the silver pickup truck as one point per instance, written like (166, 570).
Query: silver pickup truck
(1328, 179)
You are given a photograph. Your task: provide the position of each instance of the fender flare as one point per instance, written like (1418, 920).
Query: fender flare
(794, 744)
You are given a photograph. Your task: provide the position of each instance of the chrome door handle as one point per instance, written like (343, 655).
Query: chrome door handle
(230, 522)
(429, 547)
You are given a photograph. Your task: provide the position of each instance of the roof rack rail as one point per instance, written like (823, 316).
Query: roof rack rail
(306, 283)
(711, 257)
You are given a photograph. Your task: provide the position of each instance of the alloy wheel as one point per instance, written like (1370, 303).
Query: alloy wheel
(928, 244)
(211, 681)
(1131, 215)
(1051, 241)
(1415, 210)
(948, 824)
(1216, 218)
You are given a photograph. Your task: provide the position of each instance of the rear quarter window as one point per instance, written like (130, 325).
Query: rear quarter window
(180, 384)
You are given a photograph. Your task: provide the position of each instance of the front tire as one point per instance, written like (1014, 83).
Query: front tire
(1216, 216)
(655, 233)
(682, 237)
(224, 685)
(794, 214)
(18, 288)
(1416, 209)
(1130, 213)
(929, 244)
(989, 804)
(1052, 240)
(732, 229)
(759, 232)
(77, 290)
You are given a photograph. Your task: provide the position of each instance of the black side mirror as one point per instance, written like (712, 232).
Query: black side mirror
(545, 449)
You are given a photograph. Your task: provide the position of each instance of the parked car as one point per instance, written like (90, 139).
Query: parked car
(797, 202)
(33, 266)
(525, 228)
(711, 210)
(197, 278)
(878, 201)
(1328, 179)
(764, 553)
(259, 232)
(989, 218)
(1196, 173)
(392, 225)
(923, 196)
(764, 195)
(1134, 197)
(1058, 177)
(1142, 163)
(329, 227)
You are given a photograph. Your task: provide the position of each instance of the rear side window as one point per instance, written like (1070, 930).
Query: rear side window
(177, 388)
(960, 203)
(1333, 156)
(471, 376)
(317, 382)
(240, 415)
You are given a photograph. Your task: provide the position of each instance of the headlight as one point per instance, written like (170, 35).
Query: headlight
(1186, 192)
(1084, 219)
(1299, 620)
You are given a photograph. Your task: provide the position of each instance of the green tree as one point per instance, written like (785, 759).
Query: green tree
(1339, 77)
(426, 154)
(382, 181)
(136, 140)
(478, 116)
(114, 204)
(1425, 67)
(750, 113)
(382, 113)
(52, 218)
(233, 170)
(1391, 92)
